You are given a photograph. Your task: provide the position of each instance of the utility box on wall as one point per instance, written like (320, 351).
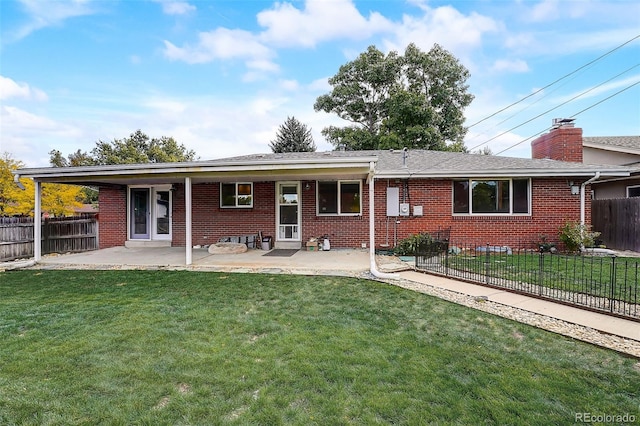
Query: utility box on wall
(417, 210)
(393, 201)
(404, 209)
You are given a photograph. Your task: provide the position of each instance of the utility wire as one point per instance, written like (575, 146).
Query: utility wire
(555, 107)
(551, 84)
(574, 115)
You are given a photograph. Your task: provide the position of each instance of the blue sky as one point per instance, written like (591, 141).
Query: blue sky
(221, 76)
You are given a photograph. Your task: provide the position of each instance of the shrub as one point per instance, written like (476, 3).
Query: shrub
(576, 236)
(412, 244)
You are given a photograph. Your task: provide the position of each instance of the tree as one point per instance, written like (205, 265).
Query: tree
(293, 136)
(414, 101)
(57, 199)
(137, 148)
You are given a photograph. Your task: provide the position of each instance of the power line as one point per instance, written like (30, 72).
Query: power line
(551, 84)
(555, 107)
(574, 115)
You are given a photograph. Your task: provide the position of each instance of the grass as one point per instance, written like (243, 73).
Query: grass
(176, 347)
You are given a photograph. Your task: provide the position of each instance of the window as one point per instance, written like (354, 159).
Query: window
(633, 191)
(497, 196)
(339, 198)
(238, 194)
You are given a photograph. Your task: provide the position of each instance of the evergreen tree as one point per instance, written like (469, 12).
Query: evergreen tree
(293, 136)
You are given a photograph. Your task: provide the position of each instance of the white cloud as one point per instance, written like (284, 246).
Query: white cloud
(545, 11)
(289, 85)
(221, 43)
(596, 91)
(12, 89)
(29, 137)
(319, 21)
(458, 33)
(510, 65)
(171, 7)
(44, 14)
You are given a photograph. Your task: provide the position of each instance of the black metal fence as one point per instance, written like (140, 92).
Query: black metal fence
(603, 283)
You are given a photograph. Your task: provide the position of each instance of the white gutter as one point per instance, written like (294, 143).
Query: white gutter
(582, 196)
(372, 233)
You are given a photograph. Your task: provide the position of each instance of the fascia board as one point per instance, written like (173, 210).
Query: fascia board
(181, 168)
(501, 173)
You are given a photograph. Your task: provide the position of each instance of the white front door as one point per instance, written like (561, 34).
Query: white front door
(288, 211)
(150, 213)
(161, 214)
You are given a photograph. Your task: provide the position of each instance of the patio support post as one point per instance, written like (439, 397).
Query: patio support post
(372, 232)
(37, 222)
(187, 230)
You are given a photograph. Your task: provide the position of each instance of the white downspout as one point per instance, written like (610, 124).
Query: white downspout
(187, 207)
(582, 196)
(372, 234)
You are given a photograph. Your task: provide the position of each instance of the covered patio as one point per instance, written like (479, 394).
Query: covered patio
(344, 262)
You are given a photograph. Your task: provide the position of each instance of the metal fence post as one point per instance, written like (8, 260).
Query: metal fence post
(446, 260)
(540, 271)
(613, 282)
(487, 265)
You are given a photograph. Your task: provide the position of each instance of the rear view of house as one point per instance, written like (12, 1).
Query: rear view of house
(357, 199)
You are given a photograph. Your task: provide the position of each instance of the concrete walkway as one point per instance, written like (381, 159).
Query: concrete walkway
(344, 263)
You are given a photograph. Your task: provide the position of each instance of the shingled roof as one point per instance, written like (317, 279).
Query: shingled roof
(310, 165)
(427, 163)
(629, 144)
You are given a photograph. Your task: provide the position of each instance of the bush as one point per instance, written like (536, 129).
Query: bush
(576, 236)
(412, 244)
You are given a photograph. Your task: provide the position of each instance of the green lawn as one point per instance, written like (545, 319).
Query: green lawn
(176, 347)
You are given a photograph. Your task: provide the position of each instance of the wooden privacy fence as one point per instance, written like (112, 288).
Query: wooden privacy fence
(618, 221)
(59, 235)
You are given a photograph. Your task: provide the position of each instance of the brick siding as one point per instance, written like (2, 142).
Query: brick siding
(552, 206)
(112, 219)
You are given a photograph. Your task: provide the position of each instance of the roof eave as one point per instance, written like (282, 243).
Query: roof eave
(500, 173)
(199, 168)
(612, 148)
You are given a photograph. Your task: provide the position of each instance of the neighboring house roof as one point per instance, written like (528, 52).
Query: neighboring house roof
(626, 144)
(315, 165)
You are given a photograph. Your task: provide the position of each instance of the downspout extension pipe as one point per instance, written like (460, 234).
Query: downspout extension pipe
(373, 267)
(582, 196)
(16, 180)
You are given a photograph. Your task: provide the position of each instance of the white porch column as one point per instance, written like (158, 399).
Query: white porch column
(187, 226)
(37, 222)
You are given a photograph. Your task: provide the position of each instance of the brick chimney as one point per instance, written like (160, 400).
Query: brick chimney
(563, 142)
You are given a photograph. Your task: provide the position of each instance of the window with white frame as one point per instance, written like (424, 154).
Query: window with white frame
(492, 196)
(236, 195)
(342, 197)
(633, 191)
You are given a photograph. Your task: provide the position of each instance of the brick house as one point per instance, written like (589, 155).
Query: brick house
(358, 199)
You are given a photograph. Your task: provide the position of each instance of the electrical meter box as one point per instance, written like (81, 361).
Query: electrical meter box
(404, 209)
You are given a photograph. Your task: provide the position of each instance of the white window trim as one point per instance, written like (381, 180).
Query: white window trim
(249, 206)
(510, 213)
(631, 187)
(339, 182)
